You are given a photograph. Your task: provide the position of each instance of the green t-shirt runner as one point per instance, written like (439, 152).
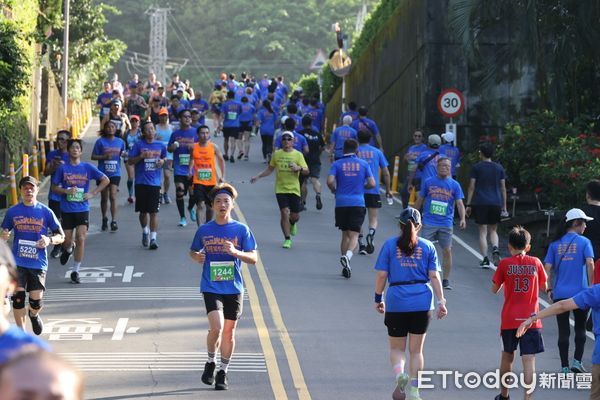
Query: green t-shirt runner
(287, 180)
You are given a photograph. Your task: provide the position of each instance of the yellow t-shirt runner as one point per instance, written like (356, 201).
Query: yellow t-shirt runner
(286, 180)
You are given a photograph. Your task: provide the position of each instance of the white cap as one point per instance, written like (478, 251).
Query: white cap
(284, 118)
(347, 120)
(576, 213)
(288, 133)
(434, 140)
(448, 136)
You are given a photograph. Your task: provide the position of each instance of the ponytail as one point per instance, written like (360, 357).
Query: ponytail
(267, 105)
(407, 242)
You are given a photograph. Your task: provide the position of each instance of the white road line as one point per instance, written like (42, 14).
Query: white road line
(125, 293)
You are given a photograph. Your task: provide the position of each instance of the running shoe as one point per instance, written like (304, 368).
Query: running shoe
(246, 158)
(500, 397)
(145, 239)
(232, 159)
(485, 263)
(104, 224)
(130, 200)
(399, 392)
(577, 367)
(208, 376)
(221, 381)
(346, 271)
(193, 214)
(412, 393)
(287, 244)
(113, 226)
(565, 370)
(75, 277)
(240, 155)
(495, 255)
(160, 199)
(37, 325)
(167, 198)
(64, 257)
(56, 251)
(319, 202)
(362, 249)
(294, 229)
(303, 206)
(370, 246)
(153, 244)
(446, 284)
(182, 222)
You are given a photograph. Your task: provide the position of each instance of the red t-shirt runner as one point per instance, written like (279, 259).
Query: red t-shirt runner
(522, 276)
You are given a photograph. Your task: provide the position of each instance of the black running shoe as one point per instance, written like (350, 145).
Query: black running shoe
(113, 226)
(362, 249)
(153, 244)
(208, 376)
(64, 257)
(240, 156)
(370, 246)
(346, 271)
(495, 256)
(232, 159)
(221, 381)
(319, 202)
(56, 251)
(104, 224)
(37, 325)
(500, 397)
(75, 277)
(446, 284)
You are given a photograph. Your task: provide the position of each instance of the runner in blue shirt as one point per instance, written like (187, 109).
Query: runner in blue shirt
(267, 119)
(410, 158)
(569, 264)
(131, 136)
(108, 151)
(103, 101)
(72, 182)
(163, 134)
(364, 123)
(348, 179)
(352, 112)
(148, 157)
(35, 228)
(247, 116)
(201, 105)
(377, 162)
(299, 143)
(221, 246)
(230, 117)
(55, 159)
(437, 197)
(339, 136)
(174, 110)
(426, 163)
(409, 265)
(452, 152)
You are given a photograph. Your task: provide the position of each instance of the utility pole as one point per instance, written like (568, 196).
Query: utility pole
(158, 42)
(65, 59)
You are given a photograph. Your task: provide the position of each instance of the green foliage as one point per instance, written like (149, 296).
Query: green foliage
(309, 85)
(550, 156)
(14, 131)
(91, 53)
(15, 66)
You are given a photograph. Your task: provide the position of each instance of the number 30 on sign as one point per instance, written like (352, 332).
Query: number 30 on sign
(451, 103)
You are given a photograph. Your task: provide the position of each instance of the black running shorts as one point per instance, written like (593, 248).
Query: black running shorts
(230, 304)
(350, 218)
(400, 324)
(147, 199)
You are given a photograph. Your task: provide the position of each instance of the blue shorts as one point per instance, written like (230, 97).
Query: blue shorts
(530, 343)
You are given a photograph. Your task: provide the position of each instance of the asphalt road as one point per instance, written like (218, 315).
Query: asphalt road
(136, 325)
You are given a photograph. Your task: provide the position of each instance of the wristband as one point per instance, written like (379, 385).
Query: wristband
(378, 297)
(441, 302)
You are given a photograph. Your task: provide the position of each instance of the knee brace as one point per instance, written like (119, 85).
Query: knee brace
(35, 304)
(18, 300)
(179, 192)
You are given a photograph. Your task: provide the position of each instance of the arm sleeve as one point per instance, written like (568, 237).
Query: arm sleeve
(588, 298)
(383, 259)
(7, 222)
(248, 241)
(498, 277)
(550, 255)
(383, 163)
(98, 148)
(57, 176)
(588, 250)
(53, 223)
(432, 260)
(197, 243)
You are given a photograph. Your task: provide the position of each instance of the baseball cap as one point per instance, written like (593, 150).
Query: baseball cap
(163, 111)
(134, 117)
(287, 133)
(29, 179)
(434, 140)
(117, 102)
(284, 118)
(409, 214)
(576, 213)
(448, 136)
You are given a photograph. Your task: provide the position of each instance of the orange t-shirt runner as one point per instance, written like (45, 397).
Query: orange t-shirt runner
(205, 172)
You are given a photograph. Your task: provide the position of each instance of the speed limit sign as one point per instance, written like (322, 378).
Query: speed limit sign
(451, 103)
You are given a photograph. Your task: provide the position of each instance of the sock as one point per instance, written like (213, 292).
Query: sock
(360, 240)
(146, 230)
(130, 187)
(180, 207)
(224, 364)
(349, 254)
(287, 237)
(372, 231)
(76, 266)
(211, 357)
(152, 235)
(398, 370)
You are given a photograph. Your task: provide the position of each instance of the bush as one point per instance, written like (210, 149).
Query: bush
(309, 85)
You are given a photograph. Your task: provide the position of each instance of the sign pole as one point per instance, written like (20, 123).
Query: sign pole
(343, 94)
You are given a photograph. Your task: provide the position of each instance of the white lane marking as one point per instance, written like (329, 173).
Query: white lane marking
(125, 293)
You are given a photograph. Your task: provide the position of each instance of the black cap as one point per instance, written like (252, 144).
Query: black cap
(28, 179)
(409, 214)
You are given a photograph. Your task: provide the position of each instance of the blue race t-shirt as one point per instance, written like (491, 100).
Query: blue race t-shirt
(453, 153)
(439, 196)
(487, 177)
(14, 339)
(202, 106)
(104, 100)
(375, 158)
(430, 168)
(267, 121)
(29, 224)
(181, 155)
(415, 150)
(80, 175)
(317, 117)
(339, 136)
(351, 174)
(299, 142)
(146, 171)
(590, 298)
(352, 114)
(402, 268)
(231, 111)
(247, 114)
(570, 272)
(64, 156)
(221, 272)
(114, 147)
(366, 124)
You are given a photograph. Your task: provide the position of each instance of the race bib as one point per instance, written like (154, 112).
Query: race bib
(27, 249)
(184, 159)
(149, 164)
(221, 271)
(105, 110)
(231, 115)
(78, 196)
(204, 174)
(438, 208)
(110, 166)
